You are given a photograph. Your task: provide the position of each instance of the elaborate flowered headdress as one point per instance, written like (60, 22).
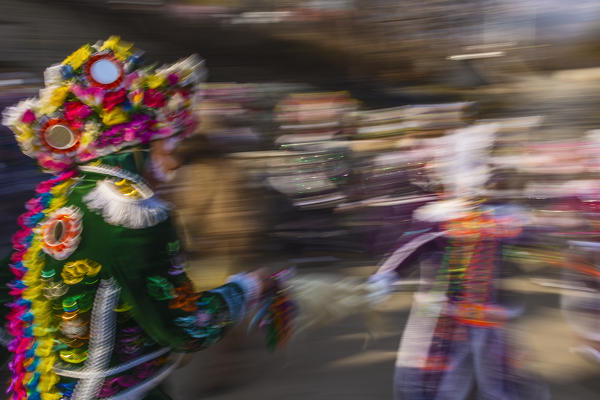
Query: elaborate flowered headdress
(100, 100)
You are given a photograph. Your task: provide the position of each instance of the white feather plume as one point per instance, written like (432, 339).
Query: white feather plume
(463, 158)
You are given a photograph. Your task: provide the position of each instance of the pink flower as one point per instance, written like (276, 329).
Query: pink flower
(75, 110)
(91, 96)
(153, 98)
(28, 117)
(129, 78)
(113, 99)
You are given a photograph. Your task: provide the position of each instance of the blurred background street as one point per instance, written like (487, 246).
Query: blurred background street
(311, 154)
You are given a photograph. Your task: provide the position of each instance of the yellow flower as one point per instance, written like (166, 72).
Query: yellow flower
(89, 134)
(137, 98)
(24, 132)
(155, 80)
(51, 99)
(120, 49)
(114, 116)
(79, 56)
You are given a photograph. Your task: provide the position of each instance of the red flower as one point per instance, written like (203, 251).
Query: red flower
(28, 117)
(153, 98)
(75, 110)
(113, 99)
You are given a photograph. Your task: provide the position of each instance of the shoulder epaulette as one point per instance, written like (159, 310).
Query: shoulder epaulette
(125, 203)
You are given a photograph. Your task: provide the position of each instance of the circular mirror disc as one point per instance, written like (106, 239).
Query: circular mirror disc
(60, 137)
(105, 71)
(58, 231)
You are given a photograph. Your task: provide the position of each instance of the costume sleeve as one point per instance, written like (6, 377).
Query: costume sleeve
(148, 266)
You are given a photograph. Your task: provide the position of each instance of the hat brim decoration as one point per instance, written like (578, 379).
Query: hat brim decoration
(100, 100)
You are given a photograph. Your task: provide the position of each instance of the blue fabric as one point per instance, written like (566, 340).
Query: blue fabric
(234, 297)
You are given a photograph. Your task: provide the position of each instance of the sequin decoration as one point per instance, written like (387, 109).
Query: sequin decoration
(74, 272)
(185, 298)
(208, 324)
(61, 232)
(177, 265)
(73, 356)
(159, 288)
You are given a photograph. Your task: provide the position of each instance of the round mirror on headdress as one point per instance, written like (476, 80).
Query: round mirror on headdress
(59, 136)
(104, 70)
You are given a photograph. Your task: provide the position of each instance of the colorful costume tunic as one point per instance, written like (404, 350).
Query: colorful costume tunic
(102, 304)
(454, 336)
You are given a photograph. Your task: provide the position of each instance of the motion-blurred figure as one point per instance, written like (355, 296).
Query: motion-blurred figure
(101, 303)
(455, 337)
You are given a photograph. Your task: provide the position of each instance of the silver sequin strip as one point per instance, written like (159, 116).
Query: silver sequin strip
(102, 339)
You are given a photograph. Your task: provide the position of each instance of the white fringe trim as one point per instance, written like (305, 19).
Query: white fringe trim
(116, 209)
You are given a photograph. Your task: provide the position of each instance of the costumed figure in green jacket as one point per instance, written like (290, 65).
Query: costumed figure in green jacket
(99, 303)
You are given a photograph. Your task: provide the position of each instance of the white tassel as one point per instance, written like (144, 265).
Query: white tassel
(117, 209)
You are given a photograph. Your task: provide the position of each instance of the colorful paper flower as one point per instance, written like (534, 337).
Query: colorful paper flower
(143, 104)
(154, 98)
(52, 97)
(121, 50)
(75, 110)
(28, 117)
(24, 134)
(114, 117)
(80, 56)
(154, 81)
(90, 133)
(113, 99)
(92, 96)
(173, 79)
(136, 97)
